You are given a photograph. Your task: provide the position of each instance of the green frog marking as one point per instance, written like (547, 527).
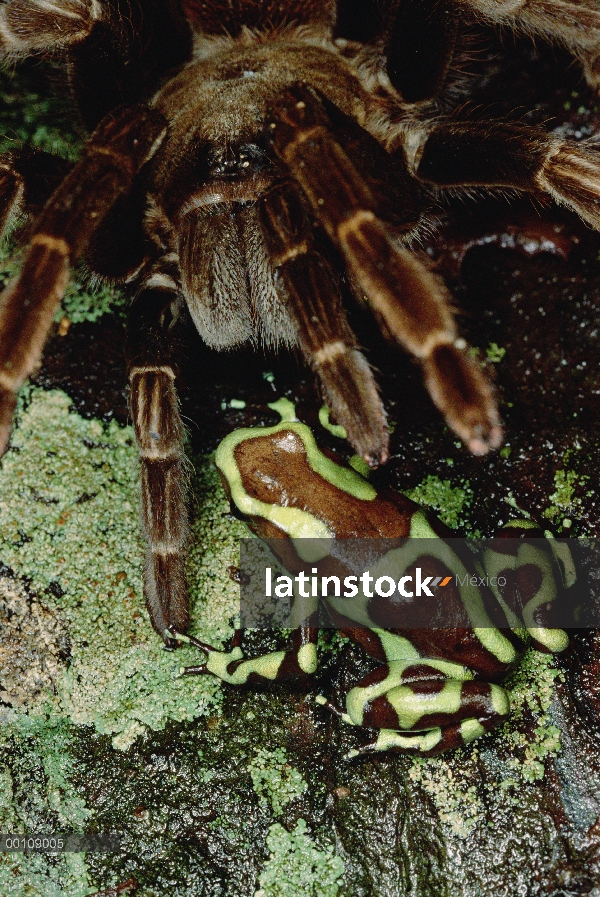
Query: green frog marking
(435, 689)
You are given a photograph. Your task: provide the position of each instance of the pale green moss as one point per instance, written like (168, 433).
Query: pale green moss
(26, 116)
(35, 743)
(49, 746)
(495, 353)
(8, 817)
(453, 789)
(563, 502)
(447, 500)
(532, 688)
(69, 524)
(31, 875)
(274, 780)
(297, 867)
(85, 303)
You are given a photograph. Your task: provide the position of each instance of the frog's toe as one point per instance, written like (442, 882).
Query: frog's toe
(179, 637)
(333, 708)
(194, 671)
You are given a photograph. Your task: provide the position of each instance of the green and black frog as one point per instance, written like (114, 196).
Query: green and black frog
(437, 688)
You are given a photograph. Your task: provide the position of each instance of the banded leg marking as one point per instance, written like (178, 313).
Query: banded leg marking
(411, 302)
(575, 23)
(310, 290)
(296, 664)
(423, 706)
(115, 153)
(151, 346)
(507, 155)
(28, 25)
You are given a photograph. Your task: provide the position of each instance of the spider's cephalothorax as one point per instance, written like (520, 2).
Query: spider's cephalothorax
(239, 152)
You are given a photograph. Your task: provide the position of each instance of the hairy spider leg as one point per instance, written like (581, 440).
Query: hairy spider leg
(118, 50)
(411, 302)
(309, 287)
(420, 38)
(153, 345)
(12, 192)
(28, 25)
(507, 155)
(114, 155)
(37, 174)
(575, 23)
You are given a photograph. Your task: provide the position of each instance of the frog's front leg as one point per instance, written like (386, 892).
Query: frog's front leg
(423, 706)
(297, 663)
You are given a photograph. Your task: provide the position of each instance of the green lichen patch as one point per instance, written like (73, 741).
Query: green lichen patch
(495, 353)
(563, 501)
(297, 867)
(33, 648)
(452, 788)
(275, 781)
(532, 687)
(69, 526)
(525, 742)
(33, 875)
(448, 501)
(37, 796)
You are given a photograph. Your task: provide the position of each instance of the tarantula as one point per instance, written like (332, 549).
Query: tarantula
(242, 154)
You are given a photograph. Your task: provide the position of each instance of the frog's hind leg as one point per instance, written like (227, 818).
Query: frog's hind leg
(423, 707)
(295, 664)
(429, 743)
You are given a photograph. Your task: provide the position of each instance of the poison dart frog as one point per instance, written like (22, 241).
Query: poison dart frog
(434, 689)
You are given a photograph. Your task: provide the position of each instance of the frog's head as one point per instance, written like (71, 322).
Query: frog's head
(281, 484)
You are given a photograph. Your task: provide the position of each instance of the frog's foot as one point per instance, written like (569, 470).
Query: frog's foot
(296, 664)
